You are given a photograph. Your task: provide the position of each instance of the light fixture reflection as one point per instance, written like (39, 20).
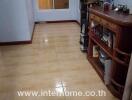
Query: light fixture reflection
(46, 40)
(58, 84)
(59, 90)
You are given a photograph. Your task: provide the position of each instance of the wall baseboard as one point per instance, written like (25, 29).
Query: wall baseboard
(30, 41)
(78, 23)
(15, 43)
(60, 21)
(19, 42)
(63, 21)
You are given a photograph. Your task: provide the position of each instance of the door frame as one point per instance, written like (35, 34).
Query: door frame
(56, 14)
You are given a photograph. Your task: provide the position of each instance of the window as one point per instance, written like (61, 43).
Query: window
(53, 4)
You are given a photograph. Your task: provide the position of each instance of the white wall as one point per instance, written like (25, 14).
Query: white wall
(15, 21)
(78, 10)
(30, 13)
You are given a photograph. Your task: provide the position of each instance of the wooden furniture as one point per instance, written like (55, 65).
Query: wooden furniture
(121, 26)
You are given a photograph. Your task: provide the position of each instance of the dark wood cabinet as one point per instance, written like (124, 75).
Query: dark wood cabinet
(121, 27)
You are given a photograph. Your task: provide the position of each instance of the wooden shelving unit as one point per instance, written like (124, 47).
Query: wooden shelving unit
(122, 48)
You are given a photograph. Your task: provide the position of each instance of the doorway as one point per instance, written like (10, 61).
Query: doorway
(55, 10)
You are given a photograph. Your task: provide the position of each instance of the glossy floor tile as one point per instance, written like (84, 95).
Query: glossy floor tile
(52, 62)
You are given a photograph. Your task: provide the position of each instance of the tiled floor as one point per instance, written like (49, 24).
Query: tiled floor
(52, 62)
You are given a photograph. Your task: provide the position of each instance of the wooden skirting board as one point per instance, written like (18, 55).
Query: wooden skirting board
(62, 21)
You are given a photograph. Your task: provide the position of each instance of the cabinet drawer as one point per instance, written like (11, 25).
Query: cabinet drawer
(114, 27)
(105, 23)
(94, 17)
(98, 19)
(110, 25)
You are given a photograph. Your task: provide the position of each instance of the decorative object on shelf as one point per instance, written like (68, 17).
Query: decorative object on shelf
(107, 75)
(126, 9)
(101, 2)
(103, 33)
(103, 57)
(97, 29)
(106, 6)
(112, 5)
(107, 37)
(122, 8)
(107, 63)
(95, 51)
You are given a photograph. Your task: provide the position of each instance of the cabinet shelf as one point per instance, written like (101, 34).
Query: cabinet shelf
(114, 91)
(117, 84)
(106, 49)
(102, 45)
